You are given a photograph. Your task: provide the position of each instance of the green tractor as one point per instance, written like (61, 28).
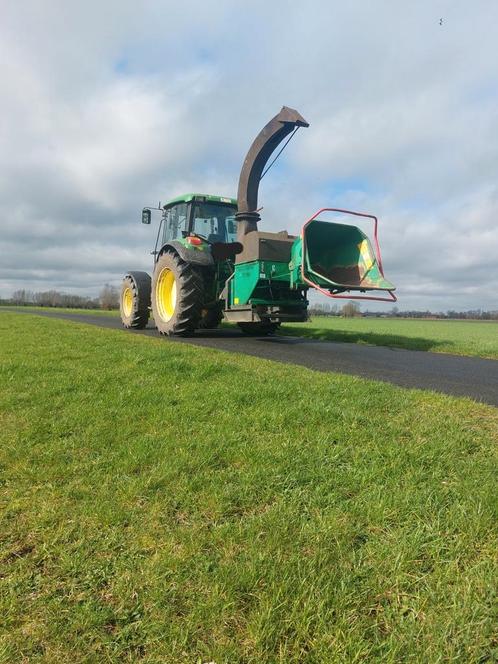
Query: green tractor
(211, 263)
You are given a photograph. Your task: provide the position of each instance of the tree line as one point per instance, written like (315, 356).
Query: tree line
(108, 298)
(353, 309)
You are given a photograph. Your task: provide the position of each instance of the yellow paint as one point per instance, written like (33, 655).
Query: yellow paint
(127, 302)
(365, 254)
(165, 294)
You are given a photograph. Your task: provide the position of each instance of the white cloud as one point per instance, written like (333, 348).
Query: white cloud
(106, 107)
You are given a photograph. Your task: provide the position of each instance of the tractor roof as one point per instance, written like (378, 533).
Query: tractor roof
(204, 198)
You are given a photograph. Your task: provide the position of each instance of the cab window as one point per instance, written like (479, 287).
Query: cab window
(175, 222)
(215, 222)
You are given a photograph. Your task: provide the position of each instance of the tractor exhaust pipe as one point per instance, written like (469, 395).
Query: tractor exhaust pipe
(256, 159)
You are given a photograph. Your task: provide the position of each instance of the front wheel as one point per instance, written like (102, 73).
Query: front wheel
(177, 295)
(134, 300)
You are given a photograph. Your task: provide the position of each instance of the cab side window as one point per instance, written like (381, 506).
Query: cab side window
(175, 221)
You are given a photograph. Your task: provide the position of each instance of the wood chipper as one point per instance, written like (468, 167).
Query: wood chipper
(212, 263)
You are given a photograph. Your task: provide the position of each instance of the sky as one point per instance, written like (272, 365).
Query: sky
(109, 106)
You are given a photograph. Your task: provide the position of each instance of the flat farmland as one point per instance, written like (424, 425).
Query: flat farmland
(162, 502)
(466, 337)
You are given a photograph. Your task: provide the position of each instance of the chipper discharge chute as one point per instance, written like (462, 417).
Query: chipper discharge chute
(212, 263)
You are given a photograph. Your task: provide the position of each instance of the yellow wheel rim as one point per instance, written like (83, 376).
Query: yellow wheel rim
(127, 301)
(166, 294)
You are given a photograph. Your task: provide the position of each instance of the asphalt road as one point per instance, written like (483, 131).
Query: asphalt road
(460, 376)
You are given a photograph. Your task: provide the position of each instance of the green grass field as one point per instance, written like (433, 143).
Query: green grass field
(165, 503)
(479, 338)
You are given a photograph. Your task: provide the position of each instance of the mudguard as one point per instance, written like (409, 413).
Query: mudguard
(194, 256)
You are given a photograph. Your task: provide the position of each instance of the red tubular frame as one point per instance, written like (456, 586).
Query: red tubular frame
(393, 297)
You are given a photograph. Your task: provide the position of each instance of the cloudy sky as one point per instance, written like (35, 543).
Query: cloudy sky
(108, 106)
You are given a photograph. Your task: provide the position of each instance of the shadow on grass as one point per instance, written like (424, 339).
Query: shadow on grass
(368, 338)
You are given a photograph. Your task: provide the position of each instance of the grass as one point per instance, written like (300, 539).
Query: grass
(478, 338)
(167, 503)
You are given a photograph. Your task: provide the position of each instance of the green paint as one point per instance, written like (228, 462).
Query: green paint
(295, 264)
(196, 247)
(255, 278)
(337, 256)
(187, 198)
(245, 280)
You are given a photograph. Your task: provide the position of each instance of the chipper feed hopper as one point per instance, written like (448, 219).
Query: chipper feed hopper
(212, 263)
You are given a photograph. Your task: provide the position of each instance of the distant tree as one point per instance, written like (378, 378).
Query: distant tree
(351, 309)
(18, 297)
(323, 309)
(22, 296)
(51, 298)
(109, 297)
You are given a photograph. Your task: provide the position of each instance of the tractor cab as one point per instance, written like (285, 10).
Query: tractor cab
(211, 218)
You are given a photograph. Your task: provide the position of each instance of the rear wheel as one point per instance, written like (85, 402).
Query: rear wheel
(258, 329)
(177, 295)
(134, 301)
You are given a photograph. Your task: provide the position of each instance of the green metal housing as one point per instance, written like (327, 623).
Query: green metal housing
(336, 257)
(260, 290)
(249, 278)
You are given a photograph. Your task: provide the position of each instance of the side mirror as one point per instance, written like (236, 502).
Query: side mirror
(146, 214)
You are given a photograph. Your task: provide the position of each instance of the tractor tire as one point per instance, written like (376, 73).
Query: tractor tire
(210, 318)
(177, 295)
(134, 300)
(258, 329)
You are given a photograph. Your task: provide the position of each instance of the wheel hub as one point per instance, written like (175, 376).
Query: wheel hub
(166, 294)
(127, 301)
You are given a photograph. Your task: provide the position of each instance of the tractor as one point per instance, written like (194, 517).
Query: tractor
(211, 263)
